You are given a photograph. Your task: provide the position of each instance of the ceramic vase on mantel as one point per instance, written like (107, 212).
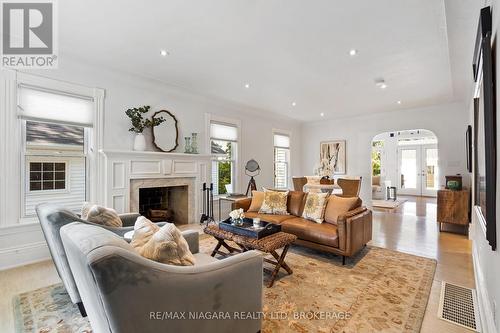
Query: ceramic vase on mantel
(139, 142)
(187, 146)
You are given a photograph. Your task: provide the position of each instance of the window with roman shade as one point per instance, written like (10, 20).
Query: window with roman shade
(281, 160)
(56, 127)
(223, 147)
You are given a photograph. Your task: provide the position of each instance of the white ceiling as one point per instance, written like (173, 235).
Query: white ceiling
(288, 50)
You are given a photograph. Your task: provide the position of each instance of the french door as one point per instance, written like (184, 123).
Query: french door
(418, 170)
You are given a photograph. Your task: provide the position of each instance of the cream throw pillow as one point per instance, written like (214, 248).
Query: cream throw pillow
(314, 208)
(257, 200)
(85, 210)
(274, 203)
(314, 180)
(101, 215)
(165, 245)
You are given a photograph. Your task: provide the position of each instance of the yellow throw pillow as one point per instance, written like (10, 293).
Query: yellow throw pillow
(165, 245)
(274, 203)
(337, 206)
(101, 215)
(257, 200)
(314, 207)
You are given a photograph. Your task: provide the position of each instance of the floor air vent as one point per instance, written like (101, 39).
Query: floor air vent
(458, 305)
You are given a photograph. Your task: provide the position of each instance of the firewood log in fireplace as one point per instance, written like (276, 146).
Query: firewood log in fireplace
(160, 215)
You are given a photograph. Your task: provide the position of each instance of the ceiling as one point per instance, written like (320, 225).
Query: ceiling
(287, 50)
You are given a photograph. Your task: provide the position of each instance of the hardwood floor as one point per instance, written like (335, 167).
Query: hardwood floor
(410, 228)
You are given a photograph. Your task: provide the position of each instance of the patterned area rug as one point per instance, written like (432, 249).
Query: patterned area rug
(47, 310)
(379, 291)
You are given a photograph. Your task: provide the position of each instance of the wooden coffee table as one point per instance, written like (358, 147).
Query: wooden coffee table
(267, 244)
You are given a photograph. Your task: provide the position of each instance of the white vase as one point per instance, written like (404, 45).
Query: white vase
(140, 142)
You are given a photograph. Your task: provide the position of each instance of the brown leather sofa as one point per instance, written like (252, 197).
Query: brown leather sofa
(353, 229)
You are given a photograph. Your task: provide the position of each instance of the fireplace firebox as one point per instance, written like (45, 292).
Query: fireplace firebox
(167, 203)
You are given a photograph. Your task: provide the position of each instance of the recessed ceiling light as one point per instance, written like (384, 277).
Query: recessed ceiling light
(164, 53)
(247, 85)
(399, 102)
(322, 114)
(353, 52)
(380, 83)
(293, 103)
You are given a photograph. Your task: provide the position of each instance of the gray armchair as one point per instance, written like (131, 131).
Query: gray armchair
(52, 217)
(124, 292)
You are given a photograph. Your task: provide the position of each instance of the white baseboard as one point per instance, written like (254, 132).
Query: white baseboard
(23, 255)
(22, 244)
(487, 318)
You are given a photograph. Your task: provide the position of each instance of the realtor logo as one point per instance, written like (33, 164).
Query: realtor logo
(28, 34)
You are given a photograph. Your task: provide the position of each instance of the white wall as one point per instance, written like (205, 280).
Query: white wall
(389, 158)
(486, 261)
(23, 243)
(447, 121)
(124, 91)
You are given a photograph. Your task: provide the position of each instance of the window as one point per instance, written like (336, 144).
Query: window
(223, 147)
(377, 148)
(281, 160)
(45, 176)
(55, 131)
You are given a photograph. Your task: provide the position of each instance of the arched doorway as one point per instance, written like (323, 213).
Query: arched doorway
(407, 160)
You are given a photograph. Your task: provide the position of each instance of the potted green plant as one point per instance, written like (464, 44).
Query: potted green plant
(136, 116)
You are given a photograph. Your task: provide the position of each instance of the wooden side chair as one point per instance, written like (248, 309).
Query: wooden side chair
(298, 183)
(350, 187)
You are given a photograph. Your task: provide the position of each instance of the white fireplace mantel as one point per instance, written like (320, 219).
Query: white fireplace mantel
(131, 153)
(120, 167)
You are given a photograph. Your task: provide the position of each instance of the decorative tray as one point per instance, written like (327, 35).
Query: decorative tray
(248, 230)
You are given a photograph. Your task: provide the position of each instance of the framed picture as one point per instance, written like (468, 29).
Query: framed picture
(335, 153)
(468, 147)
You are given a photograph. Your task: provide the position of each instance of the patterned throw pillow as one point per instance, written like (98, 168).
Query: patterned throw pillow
(314, 208)
(274, 203)
(165, 245)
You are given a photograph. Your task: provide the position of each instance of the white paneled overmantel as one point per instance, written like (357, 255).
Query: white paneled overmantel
(122, 167)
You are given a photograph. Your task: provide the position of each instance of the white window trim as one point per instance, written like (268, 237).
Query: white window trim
(238, 174)
(276, 131)
(11, 194)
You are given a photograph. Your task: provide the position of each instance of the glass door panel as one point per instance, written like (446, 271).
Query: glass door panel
(430, 170)
(418, 170)
(409, 173)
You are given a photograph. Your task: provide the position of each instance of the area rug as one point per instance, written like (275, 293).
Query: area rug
(48, 310)
(379, 291)
(391, 204)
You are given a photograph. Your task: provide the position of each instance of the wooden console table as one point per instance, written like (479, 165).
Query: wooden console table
(453, 207)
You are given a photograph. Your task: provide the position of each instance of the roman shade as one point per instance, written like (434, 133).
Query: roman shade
(43, 105)
(281, 140)
(225, 132)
